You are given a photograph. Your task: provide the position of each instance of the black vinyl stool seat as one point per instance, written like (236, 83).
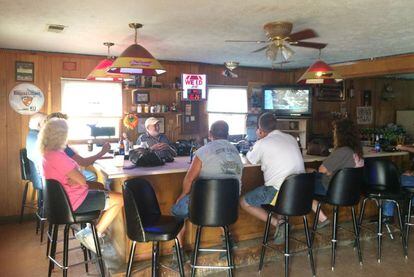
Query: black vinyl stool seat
(29, 174)
(214, 203)
(344, 191)
(294, 199)
(382, 182)
(145, 223)
(59, 212)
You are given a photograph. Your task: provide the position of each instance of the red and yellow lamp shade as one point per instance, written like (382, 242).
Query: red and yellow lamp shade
(99, 73)
(319, 73)
(136, 60)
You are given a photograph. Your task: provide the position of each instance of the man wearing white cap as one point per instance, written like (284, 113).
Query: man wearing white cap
(156, 141)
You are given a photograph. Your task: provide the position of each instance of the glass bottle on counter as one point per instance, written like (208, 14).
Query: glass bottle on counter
(121, 147)
(377, 144)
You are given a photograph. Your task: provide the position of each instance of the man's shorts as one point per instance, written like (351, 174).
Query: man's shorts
(260, 196)
(96, 200)
(180, 210)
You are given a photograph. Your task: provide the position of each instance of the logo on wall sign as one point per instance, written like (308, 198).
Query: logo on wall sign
(26, 99)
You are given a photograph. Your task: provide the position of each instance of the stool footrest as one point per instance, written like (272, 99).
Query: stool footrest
(212, 250)
(212, 267)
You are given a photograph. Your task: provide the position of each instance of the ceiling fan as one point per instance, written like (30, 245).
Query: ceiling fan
(279, 38)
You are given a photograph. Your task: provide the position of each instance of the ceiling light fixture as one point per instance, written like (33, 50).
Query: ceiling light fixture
(136, 60)
(99, 73)
(319, 73)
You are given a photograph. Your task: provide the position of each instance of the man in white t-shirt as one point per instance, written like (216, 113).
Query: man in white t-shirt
(279, 156)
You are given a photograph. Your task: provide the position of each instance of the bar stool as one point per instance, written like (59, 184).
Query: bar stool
(214, 203)
(344, 191)
(59, 212)
(25, 176)
(410, 193)
(145, 222)
(294, 199)
(382, 180)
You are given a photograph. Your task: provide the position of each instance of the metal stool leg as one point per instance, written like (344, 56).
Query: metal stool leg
(26, 186)
(407, 232)
(379, 233)
(53, 249)
(265, 238)
(315, 221)
(179, 258)
(155, 250)
(98, 249)
(131, 258)
(65, 250)
(228, 250)
(309, 244)
(356, 231)
(402, 230)
(196, 247)
(48, 235)
(286, 246)
(334, 236)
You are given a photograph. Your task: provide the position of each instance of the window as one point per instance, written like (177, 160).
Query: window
(91, 103)
(228, 104)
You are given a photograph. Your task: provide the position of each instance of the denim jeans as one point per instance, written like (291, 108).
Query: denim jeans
(388, 206)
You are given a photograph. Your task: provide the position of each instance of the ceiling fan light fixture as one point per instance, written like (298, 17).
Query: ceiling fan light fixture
(99, 73)
(231, 65)
(136, 60)
(287, 52)
(320, 73)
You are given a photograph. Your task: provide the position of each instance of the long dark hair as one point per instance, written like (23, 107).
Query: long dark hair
(347, 134)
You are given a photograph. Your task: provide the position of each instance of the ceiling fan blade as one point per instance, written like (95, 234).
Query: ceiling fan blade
(315, 45)
(260, 49)
(256, 41)
(304, 34)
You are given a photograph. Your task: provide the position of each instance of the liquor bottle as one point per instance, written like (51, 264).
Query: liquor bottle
(121, 147)
(377, 144)
(192, 151)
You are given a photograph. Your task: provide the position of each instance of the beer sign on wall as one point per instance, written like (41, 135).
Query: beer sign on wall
(26, 99)
(194, 87)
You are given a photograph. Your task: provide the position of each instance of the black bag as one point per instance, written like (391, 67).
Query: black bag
(145, 157)
(318, 147)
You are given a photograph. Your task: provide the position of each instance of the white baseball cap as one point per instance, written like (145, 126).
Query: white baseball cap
(151, 121)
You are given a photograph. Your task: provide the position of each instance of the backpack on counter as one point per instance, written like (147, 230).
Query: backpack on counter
(145, 157)
(318, 147)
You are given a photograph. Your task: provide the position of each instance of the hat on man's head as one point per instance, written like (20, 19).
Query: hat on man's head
(151, 121)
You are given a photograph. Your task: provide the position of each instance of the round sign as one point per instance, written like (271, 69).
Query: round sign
(26, 99)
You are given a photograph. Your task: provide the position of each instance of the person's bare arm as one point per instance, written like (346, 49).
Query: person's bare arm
(192, 174)
(324, 170)
(90, 160)
(75, 177)
(408, 148)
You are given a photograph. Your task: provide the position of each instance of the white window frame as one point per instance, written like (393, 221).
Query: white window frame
(96, 112)
(220, 114)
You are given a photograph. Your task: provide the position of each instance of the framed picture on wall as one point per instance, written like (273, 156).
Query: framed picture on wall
(24, 71)
(254, 97)
(141, 124)
(140, 96)
(331, 92)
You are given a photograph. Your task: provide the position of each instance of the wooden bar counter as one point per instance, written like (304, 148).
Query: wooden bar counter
(167, 182)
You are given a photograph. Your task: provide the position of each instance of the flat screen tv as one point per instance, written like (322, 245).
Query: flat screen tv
(288, 100)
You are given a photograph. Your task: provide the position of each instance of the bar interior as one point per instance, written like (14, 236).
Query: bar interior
(139, 142)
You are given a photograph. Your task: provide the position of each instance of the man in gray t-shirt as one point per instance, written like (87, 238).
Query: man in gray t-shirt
(217, 159)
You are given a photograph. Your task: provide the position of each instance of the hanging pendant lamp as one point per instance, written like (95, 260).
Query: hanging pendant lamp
(136, 60)
(99, 73)
(320, 73)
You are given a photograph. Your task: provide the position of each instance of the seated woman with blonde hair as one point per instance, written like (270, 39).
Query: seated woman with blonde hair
(59, 166)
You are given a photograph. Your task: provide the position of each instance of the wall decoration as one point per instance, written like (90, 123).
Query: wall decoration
(69, 66)
(140, 96)
(364, 115)
(24, 71)
(331, 92)
(254, 97)
(130, 121)
(141, 124)
(26, 99)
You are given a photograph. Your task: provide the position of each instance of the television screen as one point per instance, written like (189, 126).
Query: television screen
(194, 87)
(289, 101)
